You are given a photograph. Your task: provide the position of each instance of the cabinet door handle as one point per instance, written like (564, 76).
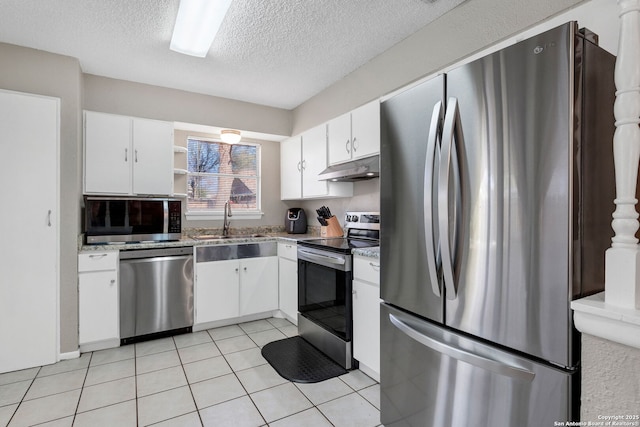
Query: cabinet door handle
(245, 269)
(49, 218)
(135, 153)
(299, 166)
(354, 146)
(126, 154)
(237, 269)
(304, 164)
(346, 146)
(375, 266)
(113, 282)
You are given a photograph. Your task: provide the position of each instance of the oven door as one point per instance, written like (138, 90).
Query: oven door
(324, 290)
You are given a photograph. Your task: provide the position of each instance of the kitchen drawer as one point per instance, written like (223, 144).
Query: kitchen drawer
(288, 250)
(367, 269)
(97, 261)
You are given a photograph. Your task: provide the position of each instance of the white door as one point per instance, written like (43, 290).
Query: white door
(258, 285)
(29, 139)
(288, 282)
(217, 290)
(152, 157)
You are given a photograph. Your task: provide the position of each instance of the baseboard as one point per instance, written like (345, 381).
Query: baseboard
(69, 355)
(233, 321)
(370, 372)
(100, 345)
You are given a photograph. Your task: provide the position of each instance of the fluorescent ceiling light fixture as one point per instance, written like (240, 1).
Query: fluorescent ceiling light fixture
(230, 136)
(197, 23)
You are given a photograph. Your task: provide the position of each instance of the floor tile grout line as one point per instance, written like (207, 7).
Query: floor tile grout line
(245, 390)
(193, 397)
(135, 382)
(86, 374)
(23, 396)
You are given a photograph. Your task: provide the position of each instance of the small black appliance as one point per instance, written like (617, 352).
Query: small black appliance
(295, 221)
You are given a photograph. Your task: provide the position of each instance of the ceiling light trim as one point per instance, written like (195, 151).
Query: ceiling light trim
(196, 26)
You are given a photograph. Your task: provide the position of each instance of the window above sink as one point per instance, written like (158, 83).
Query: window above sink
(218, 172)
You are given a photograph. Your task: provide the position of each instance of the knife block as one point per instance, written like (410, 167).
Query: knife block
(333, 228)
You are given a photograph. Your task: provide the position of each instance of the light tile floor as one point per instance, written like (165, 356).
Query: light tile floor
(209, 378)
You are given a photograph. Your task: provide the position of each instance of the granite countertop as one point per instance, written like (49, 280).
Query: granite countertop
(189, 241)
(368, 252)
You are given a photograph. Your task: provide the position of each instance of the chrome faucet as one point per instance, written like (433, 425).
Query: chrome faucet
(227, 215)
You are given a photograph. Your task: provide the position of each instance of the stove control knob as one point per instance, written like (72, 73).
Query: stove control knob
(354, 218)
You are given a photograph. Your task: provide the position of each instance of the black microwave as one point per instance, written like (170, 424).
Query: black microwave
(131, 219)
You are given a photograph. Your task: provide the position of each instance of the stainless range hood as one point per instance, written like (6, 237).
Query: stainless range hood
(355, 170)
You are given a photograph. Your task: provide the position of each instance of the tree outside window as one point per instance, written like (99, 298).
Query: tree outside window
(220, 172)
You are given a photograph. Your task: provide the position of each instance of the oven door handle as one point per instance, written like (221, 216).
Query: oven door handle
(310, 256)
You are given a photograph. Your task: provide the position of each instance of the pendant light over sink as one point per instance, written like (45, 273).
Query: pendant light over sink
(230, 136)
(196, 26)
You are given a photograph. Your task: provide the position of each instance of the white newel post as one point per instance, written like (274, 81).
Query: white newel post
(622, 260)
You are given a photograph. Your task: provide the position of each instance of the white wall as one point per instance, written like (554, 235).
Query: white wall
(154, 102)
(610, 380)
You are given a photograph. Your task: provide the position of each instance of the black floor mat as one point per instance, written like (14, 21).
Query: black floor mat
(298, 361)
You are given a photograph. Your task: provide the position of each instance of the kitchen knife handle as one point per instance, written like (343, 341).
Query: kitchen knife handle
(431, 232)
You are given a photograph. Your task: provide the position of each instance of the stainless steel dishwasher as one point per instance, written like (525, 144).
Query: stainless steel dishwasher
(156, 293)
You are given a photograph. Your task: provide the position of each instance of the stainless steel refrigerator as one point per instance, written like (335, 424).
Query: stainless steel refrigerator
(497, 189)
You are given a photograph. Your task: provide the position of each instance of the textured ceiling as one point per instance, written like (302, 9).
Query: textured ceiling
(271, 52)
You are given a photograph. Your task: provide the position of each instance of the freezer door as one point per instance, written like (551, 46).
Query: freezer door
(512, 245)
(431, 377)
(409, 149)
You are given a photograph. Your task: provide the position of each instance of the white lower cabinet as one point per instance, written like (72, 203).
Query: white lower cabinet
(288, 280)
(98, 312)
(366, 314)
(234, 288)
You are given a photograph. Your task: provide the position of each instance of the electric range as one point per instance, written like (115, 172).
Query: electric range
(325, 309)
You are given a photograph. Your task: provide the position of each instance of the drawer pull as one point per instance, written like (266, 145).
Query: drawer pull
(98, 256)
(375, 266)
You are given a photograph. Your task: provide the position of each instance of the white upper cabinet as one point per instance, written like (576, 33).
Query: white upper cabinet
(314, 161)
(152, 157)
(107, 153)
(355, 134)
(340, 139)
(291, 168)
(302, 158)
(127, 155)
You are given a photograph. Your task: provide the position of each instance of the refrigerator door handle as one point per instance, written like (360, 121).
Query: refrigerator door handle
(448, 161)
(431, 234)
(482, 362)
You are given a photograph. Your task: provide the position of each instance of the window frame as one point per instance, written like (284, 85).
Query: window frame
(219, 214)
